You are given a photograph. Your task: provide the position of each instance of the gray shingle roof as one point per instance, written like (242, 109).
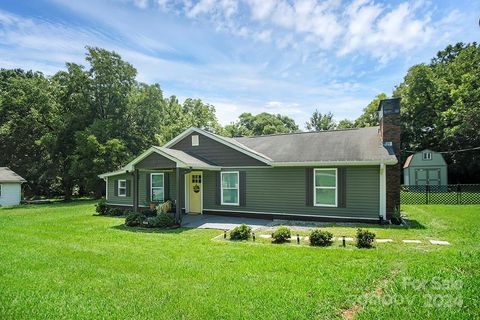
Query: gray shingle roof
(7, 175)
(362, 144)
(184, 157)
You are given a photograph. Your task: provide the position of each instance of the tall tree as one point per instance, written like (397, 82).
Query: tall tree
(345, 124)
(440, 108)
(28, 116)
(261, 124)
(369, 117)
(320, 122)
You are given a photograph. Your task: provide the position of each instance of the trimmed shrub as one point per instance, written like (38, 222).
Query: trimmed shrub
(101, 207)
(365, 238)
(242, 232)
(162, 220)
(150, 212)
(320, 238)
(281, 235)
(165, 207)
(115, 212)
(135, 219)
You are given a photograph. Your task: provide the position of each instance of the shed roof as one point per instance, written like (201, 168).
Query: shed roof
(349, 145)
(7, 175)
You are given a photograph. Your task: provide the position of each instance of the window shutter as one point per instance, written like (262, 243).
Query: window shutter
(217, 188)
(166, 186)
(309, 187)
(148, 193)
(128, 187)
(243, 188)
(342, 187)
(115, 188)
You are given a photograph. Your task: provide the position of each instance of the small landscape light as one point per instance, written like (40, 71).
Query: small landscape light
(343, 240)
(298, 238)
(224, 234)
(253, 237)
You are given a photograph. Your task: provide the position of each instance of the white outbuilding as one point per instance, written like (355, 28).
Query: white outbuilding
(10, 187)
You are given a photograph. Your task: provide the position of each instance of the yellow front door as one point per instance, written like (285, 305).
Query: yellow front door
(195, 192)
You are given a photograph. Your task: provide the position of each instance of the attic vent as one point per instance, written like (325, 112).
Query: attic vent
(195, 141)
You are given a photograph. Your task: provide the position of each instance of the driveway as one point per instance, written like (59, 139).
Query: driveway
(205, 221)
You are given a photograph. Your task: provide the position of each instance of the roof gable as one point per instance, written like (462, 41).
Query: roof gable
(7, 175)
(217, 149)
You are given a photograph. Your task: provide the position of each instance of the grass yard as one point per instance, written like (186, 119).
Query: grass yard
(60, 261)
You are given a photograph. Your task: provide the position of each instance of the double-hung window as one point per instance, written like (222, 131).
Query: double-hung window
(325, 187)
(122, 188)
(157, 187)
(230, 188)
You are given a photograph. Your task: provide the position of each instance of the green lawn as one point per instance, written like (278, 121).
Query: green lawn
(60, 261)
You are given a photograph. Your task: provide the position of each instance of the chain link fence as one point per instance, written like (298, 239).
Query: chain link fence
(447, 194)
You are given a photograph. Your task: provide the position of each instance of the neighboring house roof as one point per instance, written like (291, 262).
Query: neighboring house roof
(360, 146)
(7, 175)
(407, 162)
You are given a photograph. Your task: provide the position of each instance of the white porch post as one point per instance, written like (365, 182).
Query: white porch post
(383, 191)
(106, 188)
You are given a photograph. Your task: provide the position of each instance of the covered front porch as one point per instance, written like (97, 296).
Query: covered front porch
(163, 174)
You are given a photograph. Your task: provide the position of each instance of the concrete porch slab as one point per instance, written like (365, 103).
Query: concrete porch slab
(205, 221)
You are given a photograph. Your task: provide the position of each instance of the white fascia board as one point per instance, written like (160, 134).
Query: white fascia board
(185, 133)
(110, 174)
(332, 163)
(131, 165)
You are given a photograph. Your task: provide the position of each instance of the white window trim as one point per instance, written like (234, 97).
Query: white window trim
(315, 188)
(162, 187)
(122, 188)
(427, 156)
(238, 188)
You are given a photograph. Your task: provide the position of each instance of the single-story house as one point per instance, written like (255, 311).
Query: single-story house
(426, 167)
(346, 175)
(10, 187)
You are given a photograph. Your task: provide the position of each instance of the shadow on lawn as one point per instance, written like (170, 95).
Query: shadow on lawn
(52, 204)
(123, 227)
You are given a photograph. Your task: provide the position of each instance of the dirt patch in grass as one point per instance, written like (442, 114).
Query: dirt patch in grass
(350, 313)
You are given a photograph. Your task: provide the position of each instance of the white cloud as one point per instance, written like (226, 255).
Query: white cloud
(382, 32)
(142, 4)
(361, 27)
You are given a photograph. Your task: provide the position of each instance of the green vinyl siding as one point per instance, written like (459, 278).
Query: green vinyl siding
(283, 190)
(111, 190)
(142, 190)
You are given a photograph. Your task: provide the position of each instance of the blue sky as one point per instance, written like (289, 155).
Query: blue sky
(279, 56)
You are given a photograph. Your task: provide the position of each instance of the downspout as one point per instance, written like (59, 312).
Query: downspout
(383, 191)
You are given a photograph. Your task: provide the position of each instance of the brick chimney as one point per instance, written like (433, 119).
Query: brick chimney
(389, 116)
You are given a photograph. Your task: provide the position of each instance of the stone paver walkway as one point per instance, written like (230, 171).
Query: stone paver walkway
(411, 241)
(440, 242)
(384, 240)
